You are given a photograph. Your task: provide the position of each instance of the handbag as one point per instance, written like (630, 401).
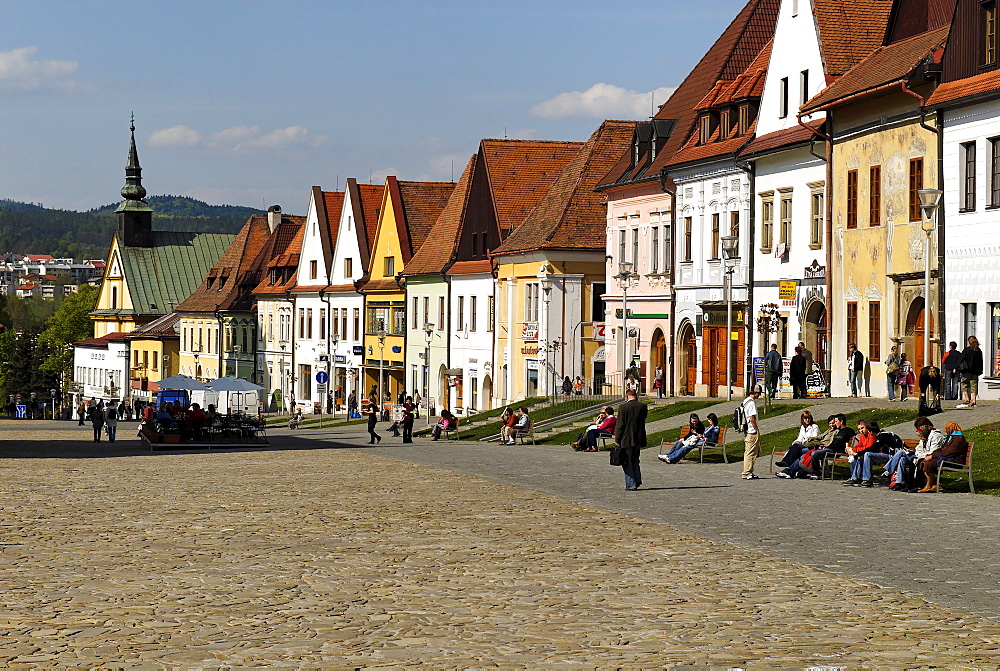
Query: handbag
(892, 367)
(618, 456)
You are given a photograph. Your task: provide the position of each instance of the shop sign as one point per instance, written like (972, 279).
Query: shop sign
(532, 364)
(529, 331)
(787, 291)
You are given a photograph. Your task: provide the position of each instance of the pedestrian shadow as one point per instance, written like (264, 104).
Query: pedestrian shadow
(692, 487)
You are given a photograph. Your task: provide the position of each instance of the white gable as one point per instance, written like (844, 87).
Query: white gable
(346, 246)
(312, 249)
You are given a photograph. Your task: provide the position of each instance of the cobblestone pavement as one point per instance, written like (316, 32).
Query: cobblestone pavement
(314, 556)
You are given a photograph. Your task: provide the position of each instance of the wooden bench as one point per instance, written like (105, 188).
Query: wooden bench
(956, 467)
(720, 444)
(448, 433)
(526, 433)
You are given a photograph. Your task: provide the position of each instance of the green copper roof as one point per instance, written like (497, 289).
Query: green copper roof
(133, 191)
(161, 276)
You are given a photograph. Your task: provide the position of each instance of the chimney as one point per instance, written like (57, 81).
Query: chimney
(273, 217)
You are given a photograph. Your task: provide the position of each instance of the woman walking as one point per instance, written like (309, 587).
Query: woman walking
(97, 420)
(891, 371)
(970, 367)
(905, 376)
(372, 411)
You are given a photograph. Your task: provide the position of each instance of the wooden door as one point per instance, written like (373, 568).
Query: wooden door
(917, 356)
(691, 345)
(710, 362)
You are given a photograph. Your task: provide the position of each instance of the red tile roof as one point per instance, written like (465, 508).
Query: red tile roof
(783, 138)
(520, 172)
(371, 201)
(287, 246)
(422, 205)
(115, 336)
(162, 327)
(435, 255)
(964, 88)
(471, 267)
(849, 31)
(886, 65)
(572, 215)
(730, 55)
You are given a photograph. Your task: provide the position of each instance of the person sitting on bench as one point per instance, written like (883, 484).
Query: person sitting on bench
(522, 424)
(448, 421)
(603, 425)
(697, 436)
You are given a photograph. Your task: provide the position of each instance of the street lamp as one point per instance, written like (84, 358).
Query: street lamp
(930, 200)
(52, 392)
(543, 337)
(729, 249)
(331, 367)
(381, 361)
(625, 278)
(428, 334)
(237, 350)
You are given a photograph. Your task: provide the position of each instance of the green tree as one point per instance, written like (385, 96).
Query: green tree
(70, 323)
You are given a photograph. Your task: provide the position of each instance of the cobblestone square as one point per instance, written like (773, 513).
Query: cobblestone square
(320, 556)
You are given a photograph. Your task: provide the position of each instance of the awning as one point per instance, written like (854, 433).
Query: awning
(454, 372)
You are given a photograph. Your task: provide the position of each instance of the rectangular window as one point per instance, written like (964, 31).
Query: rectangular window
(803, 87)
(313, 269)
(995, 172)
(635, 249)
(852, 322)
(705, 129)
(852, 198)
(441, 312)
(989, 32)
(621, 246)
(994, 352)
(490, 312)
(654, 259)
(460, 313)
(390, 266)
(427, 311)
(716, 241)
(531, 302)
(399, 320)
(968, 162)
(597, 290)
(916, 183)
(766, 225)
(875, 195)
(416, 311)
(687, 239)
(968, 321)
(472, 313)
(302, 322)
(816, 230)
(734, 224)
(305, 382)
(725, 124)
(874, 331)
(783, 100)
(785, 232)
(668, 250)
(309, 323)
(744, 119)
(357, 323)
(348, 268)
(322, 322)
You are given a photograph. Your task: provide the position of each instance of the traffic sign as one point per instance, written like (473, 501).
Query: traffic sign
(321, 389)
(322, 377)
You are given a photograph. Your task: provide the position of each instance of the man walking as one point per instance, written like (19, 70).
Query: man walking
(408, 415)
(630, 435)
(752, 441)
(951, 375)
(772, 364)
(855, 366)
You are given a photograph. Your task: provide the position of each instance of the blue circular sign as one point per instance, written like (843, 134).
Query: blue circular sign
(322, 377)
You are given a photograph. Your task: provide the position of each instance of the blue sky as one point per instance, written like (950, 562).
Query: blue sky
(251, 103)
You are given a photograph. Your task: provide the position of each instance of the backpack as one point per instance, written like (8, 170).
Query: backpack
(888, 442)
(740, 421)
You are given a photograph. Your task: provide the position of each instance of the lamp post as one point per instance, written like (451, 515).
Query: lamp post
(52, 392)
(543, 337)
(729, 249)
(331, 370)
(625, 278)
(428, 334)
(930, 200)
(381, 362)
(237, 350)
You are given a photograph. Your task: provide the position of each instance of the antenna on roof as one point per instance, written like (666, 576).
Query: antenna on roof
(652, 105)
(338, 184)
(505, 132)
(369, 175)
(453, 170)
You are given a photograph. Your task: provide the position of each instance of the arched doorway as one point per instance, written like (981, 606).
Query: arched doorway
(486, 401)
(816, 337)
(917, 332)
(687, 361)
(657, 358)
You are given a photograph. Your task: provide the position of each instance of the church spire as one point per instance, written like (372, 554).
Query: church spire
(133, 173)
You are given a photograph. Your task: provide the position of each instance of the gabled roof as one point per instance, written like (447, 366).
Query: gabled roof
(116, 336)
(228, 285)
(447, 231)
(572, 215)
(781, 139)
(370, 197)
(163, 327)
(287, 245)
(328, 206)
(888, 65)
(849, 31)
(730, 55)
(979, 85)
(161, 276)
(422, 205)
(520, 172)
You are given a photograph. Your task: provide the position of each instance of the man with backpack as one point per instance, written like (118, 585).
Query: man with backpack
(745, 421)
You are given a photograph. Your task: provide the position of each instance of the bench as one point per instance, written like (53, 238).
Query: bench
(956, 467)
(449, 432)
(527, 433)
(720, 444)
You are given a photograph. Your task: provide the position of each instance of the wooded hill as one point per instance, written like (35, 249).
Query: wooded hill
(28, 229)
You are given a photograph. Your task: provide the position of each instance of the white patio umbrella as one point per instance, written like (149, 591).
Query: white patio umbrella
(230, 383)
(185, 382)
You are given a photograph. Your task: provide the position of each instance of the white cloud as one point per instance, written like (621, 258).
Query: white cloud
(238, 139)
(251, 139)
(378, 176)
(602, 101)
(444, 165)
(20, 72)
(176, 136)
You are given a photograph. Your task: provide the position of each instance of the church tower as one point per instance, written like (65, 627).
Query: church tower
(135, 216)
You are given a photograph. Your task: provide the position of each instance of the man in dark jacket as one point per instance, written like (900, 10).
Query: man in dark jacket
(772, 363)
(951, 376)
(630, 434)
(855, 367)
(797, 374)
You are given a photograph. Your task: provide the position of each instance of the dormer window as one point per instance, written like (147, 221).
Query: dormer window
(783, 98)
(744, 121)
(209, 281)
(725, 124)
(704, 129)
